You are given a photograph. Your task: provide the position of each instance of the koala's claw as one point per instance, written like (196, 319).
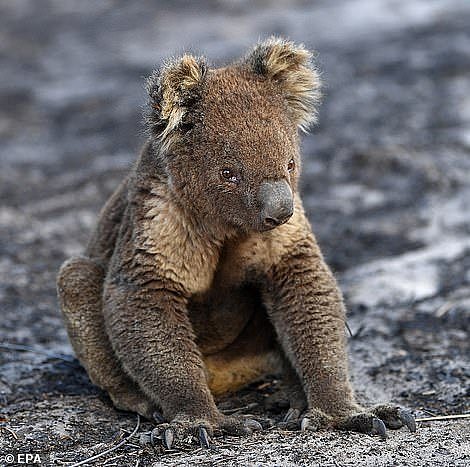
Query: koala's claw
(253, 425)
(157, 436)
(377, 419)
(292, 420)
(364, 422)
(394, 417)
(168, 438)
(310, 420)
(165, 435)
(203, 438)
(189, 430)
(407, 419)
(292, 415)
(305, 424)
(373, 421)
(154, 436)
(314, 421)
(378, 426)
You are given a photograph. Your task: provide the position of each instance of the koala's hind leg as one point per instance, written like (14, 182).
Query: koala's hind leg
(79, 285)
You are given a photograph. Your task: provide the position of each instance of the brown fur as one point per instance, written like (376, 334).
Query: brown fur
(183, 293)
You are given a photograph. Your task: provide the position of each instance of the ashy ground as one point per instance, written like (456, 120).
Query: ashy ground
(386, 184)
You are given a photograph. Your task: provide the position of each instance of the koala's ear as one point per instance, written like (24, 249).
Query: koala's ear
(289, 66)
(172, 91)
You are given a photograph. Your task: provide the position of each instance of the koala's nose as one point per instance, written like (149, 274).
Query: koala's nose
(277, 203)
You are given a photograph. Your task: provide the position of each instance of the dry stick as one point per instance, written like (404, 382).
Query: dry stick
(443, 309)
(101, 454)
(26, 348)
(239, 409)
(134, 445)
(9, 431)
(443, 417)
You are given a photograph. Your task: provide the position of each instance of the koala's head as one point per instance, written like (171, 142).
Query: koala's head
(229, 136)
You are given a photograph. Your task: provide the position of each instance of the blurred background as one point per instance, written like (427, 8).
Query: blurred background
(386, 182)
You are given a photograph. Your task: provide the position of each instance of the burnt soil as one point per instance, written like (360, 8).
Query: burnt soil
(386, 183)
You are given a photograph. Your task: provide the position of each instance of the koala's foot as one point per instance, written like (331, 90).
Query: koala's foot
(189, 429)
(377, 418)
(373, 421)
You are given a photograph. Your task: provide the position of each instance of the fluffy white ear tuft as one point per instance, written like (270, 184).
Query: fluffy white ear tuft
(291, 67)
(172, 90)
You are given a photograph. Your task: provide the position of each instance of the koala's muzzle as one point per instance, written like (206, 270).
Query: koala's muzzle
(277, 203)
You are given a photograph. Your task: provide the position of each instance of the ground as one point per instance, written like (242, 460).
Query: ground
(386, 183)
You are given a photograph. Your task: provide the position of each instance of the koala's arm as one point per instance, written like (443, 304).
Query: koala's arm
(147, 322)
(306, 308)
(101, 244)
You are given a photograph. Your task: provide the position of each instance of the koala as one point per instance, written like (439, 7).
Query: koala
(203, 274)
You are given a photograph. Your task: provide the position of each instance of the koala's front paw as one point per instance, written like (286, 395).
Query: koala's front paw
(189, 429)
(373, 421)
(377, 418)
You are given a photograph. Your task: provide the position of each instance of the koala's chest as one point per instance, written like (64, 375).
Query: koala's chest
(221, 313)
(245, 261)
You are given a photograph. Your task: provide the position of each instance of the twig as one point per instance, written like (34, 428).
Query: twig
(26, 348)
(101, 454)
(134, 445)
(443, 417)
(10, 431)
(443, 309)
(252, 405)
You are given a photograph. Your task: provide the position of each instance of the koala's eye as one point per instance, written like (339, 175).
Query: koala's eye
(291, 165)
(228, 175)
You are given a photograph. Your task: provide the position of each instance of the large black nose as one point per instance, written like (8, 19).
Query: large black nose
(277, 203)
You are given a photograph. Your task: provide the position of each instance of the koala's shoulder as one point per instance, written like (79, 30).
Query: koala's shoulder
(175, 248)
